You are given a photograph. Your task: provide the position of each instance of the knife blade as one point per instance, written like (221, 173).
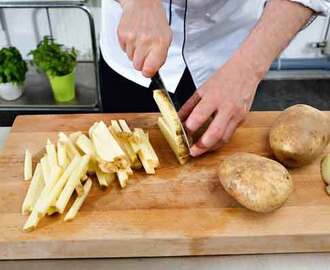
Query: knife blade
(157, 80)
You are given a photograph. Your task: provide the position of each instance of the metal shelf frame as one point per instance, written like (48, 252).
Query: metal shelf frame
(57, 5)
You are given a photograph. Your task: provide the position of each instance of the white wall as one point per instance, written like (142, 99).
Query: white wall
(71, 28)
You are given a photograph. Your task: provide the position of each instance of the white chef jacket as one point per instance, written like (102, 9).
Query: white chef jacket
(214, 29)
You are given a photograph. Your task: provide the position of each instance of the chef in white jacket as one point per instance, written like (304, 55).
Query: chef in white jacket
(223, 48)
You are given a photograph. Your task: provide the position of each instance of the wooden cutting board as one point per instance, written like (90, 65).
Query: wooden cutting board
(179, 211)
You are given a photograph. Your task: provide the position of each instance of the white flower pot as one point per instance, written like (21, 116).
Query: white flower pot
(10, 91)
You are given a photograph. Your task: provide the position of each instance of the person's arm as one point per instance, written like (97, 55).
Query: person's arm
(228, 94)
(144, 34)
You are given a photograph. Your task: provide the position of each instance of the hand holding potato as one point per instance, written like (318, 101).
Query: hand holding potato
(226, 96)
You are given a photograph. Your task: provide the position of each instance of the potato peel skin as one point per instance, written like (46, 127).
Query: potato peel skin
(299, 135)
(258, 183)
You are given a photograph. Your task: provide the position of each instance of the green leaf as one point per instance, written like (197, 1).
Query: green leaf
(52, 58)
(12, 66)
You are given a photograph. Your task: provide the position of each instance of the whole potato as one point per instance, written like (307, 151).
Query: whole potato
(299, 135)
(258, 183)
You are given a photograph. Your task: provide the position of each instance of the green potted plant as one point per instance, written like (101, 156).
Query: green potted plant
(59, 64)
(12, 73)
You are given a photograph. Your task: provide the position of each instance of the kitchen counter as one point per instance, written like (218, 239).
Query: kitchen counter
(254, 262)
(4, 131)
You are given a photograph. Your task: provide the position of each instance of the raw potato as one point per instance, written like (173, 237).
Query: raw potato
(299, 135)
(325, 169)
(258, 183)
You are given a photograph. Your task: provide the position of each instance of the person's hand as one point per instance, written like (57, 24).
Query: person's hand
(226, 96)
(144, 34)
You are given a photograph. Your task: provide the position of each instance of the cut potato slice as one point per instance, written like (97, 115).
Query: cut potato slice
(27, 165)
(86, 145)
(46, 169)
(122, 177)
(146, 148)
(62, 157)
(51, 211)
(36, 186)
(78, 201)
(74, 136)
(51, 154)
(79, 189)
(103, 178)
(55, 192)
(72, 151)
(107, 148)
(36, 213)
(123, 142)
(124, 126)
(181, 151)
(72, 182)
(32, 222)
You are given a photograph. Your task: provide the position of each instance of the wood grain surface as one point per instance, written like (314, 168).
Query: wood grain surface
(182, 210)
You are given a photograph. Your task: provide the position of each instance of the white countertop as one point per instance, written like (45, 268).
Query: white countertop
(318, 261)
(4, 131)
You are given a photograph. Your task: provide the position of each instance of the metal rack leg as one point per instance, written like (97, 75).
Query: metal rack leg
(95, 53)
(49, 23)
(3, 24)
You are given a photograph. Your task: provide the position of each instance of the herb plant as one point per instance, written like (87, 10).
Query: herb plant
(12, 66)
(52, 58)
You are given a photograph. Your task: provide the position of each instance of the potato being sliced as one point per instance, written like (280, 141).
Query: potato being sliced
(168, 112)
(78, 202)
(181, 151)
(27, 165)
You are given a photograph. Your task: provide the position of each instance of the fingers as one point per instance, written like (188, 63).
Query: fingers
(139, 57)
(212, 136)
(190, 104)
(153, 61)
(232, 126)
(199, 115)
(130, 49)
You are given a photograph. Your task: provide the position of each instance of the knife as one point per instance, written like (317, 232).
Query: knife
(157, 80)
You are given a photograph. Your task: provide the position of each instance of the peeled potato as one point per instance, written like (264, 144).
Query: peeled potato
(258, 183)
(299, 135)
